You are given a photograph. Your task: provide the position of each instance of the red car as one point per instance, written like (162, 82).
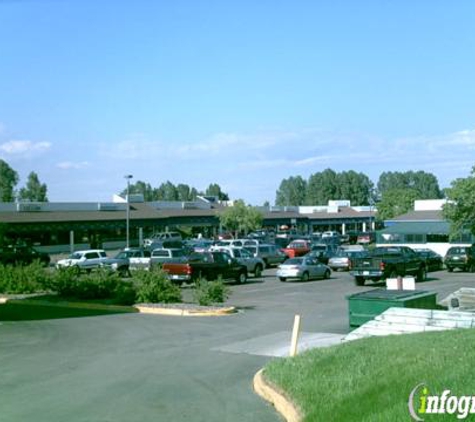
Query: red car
(297, 248)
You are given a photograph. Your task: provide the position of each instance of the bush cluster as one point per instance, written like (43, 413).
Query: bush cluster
(210, 292)
(153, 286)
(99, 284)
(24, 278)
(145, 286)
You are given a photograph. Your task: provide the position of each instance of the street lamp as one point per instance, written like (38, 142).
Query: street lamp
(127, 225)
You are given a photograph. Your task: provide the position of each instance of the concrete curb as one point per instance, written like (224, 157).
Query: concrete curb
(284, 406)
(177, 311)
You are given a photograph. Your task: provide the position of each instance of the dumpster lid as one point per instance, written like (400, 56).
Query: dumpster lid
(387, 294)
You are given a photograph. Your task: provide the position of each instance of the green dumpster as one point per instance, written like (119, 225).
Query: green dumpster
(365, 306)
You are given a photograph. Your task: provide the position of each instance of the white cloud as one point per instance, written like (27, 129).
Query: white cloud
(68, 165)
(24, 147)
(464, 137)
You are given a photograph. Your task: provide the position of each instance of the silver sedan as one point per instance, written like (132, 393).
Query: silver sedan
(303, 268)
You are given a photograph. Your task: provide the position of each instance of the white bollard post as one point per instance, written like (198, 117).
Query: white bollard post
(295, 336)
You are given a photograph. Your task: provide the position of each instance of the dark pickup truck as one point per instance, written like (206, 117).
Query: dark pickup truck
(208, 265)
(22, 255)
(388, 262)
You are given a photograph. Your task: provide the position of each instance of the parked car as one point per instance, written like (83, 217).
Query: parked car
(253, 264)
(199, 245)
(230, 242)
(303, 268)
(138, 258)
(322, 252)
(365, 238)
(297, 248)
(119, 263)
(342, 260)
(84, 260)
(433, 261)
(461, 257)
(160, 237)
(270, 254)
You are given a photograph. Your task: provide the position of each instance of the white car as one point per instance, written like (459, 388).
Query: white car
(84, 260)
(303, 268)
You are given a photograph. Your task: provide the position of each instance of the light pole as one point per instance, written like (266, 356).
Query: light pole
(127, 218)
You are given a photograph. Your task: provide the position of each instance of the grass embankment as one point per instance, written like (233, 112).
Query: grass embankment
(370, 380)
(53, 307)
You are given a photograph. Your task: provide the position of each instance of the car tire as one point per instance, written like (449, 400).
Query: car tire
(326, 275)
(421, 275)
(282, 279)
(242, 278)
(305, 276)
(359, 281)
(258, 271)
(450, 269)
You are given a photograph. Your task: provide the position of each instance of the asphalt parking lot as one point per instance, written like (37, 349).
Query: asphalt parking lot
(134, 367)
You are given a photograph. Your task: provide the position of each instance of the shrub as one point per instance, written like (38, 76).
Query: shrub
(209, 292)
(99, 284)
(30, 278)
(154, 287)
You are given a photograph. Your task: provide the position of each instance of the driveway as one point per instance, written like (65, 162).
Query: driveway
(134, 367)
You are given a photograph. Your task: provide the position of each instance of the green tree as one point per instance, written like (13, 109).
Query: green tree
(425, 184)
(166, 192)
(241, 218)
(34, 190)
(396, 202)
(142, 188)
(184, 192)
(291, 192)
(8, 181)
(322, 187)
(460, 208)
(215, 190)
(356, 187)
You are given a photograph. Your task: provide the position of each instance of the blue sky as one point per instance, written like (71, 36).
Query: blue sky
(241, 93)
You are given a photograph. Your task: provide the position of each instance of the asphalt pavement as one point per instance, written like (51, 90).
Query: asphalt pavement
(134, 367)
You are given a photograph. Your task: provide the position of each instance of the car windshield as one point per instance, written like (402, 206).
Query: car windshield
(75, 255)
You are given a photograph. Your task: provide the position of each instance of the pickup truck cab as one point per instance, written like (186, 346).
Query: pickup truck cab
(253, 264)
(388, 262)
(209, 265)
(162, 255)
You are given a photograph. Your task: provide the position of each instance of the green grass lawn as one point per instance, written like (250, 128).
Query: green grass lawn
(52, 307)
(371, 379)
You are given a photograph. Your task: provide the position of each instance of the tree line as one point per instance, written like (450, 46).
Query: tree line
(33, 191)
(393, 195)
(167, 191)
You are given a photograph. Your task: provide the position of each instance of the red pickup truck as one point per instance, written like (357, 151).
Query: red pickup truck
(297, 248)
(209, 265)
